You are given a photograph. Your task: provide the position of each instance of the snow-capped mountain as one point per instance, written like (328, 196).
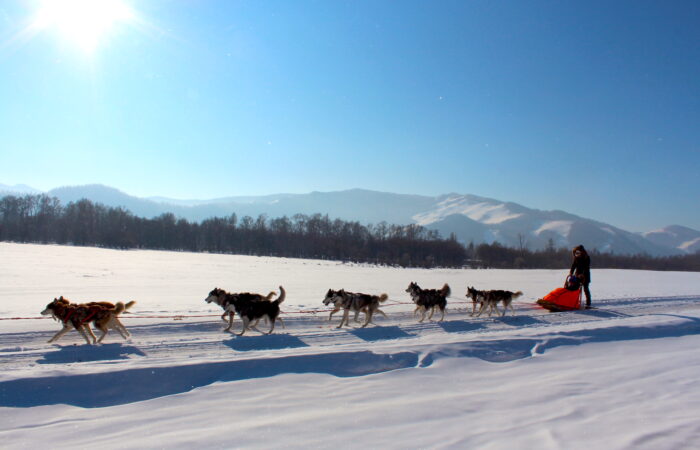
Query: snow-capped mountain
(477, 219)
(470, 218)
(675, 236)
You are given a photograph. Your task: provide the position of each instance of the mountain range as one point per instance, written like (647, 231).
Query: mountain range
(469, 217)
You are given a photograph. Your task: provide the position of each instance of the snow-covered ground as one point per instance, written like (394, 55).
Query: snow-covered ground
(621, 376)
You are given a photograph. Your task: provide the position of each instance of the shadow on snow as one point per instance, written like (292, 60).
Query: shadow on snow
(127, 386)
(460, 326)
(264, 342)
(83, 353)
(380, 333)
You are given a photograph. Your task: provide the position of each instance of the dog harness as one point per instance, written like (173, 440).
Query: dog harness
(93, 311)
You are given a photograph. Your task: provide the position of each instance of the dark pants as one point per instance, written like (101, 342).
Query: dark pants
(587, 293)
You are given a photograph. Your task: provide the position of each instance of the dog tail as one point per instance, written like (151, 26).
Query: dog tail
(120, 307)
(383, 298)
(283, 294)
(517, 294)
(446, 291)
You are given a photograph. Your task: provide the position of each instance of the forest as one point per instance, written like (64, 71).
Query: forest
(43, 219)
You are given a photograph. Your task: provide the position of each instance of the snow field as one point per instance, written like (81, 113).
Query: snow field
(621, 376)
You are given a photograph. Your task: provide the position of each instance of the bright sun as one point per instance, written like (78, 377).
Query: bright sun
(84, 23)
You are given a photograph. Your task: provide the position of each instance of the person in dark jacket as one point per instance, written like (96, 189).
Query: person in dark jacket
(581, 267)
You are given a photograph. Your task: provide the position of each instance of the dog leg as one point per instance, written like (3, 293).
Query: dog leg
(66, 328)
(335, 310)
(282, 322)
(81, 330)
(357, 314)
(254, 326)
(230, 322)
(246, 322)
(272, 326)
(104, 329)
(223, 316)
(345, 319)
(380, 312)
(432, 311)
(121, 328)
(368, 314)
(481, 310)
(90, 333)
(443, 315)
(422, 317)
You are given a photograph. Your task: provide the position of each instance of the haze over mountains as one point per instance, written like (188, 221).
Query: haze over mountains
(469, 217)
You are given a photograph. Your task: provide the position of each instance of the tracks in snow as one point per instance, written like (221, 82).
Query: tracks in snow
(160, 344)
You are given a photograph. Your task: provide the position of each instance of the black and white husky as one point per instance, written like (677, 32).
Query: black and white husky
(477, 297)
(352, 301)
(429, 299)
(252, 312)
(235, 303)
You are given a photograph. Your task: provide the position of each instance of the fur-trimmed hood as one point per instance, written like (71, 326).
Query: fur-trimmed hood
(581, 249)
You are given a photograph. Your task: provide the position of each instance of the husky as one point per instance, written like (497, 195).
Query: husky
(337, 301)
(492, 298)
(477, 297)
(253, 311)
(367, 303)
(104, 315)
(429, 299)
(225, 300)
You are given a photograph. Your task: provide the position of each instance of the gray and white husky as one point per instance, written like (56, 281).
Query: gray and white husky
(491, 299)
(357, 302)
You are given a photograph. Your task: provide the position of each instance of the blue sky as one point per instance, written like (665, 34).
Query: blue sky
(590, 107)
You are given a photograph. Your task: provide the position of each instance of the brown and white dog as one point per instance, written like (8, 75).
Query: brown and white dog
(356, 302)
(79, 316)
(250, 307)
(429, 299)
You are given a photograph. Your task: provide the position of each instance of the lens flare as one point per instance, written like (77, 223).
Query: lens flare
(84, 23)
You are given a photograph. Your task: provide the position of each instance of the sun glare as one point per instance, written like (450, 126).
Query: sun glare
(84, 23)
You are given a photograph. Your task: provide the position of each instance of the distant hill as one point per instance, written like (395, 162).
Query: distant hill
(470, 218)
(18, 189)
(676, 236)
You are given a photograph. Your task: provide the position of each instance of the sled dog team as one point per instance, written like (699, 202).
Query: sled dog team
(251, 308)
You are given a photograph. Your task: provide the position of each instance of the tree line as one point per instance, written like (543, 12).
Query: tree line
(43, 219)
(498, 256)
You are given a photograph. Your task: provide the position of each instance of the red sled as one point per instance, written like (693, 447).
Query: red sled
(561, 299)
